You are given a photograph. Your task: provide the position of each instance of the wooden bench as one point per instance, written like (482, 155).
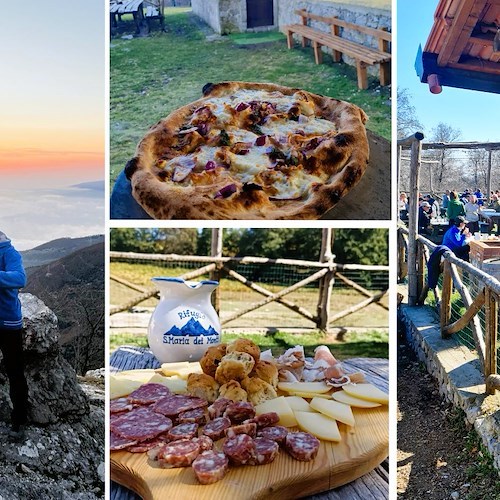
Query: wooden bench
(154, 9)
(364, 56)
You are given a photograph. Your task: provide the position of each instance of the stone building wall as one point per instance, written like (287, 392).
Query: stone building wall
(208, 10)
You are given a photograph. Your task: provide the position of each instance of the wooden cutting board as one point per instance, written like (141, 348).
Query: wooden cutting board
(361, 450)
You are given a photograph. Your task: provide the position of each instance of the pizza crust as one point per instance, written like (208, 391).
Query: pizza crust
(343, 158)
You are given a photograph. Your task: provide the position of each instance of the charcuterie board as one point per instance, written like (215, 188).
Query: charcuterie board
(361, 449)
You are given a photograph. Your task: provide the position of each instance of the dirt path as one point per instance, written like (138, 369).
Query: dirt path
(438, 457)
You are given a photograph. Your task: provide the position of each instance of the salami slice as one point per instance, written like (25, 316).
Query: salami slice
(196, 416)
(178, 454)
(239, 411)
(204, 442)
(140, 424)
(145, 446)
(119, 405)
(210, 467)
(215, 429)
(182, 431)
(249, 428)
(240, 449)
(148, 393)
(302, 446)
(266, 451)
(117, 443)
(265, 419)
(276, 433)
(218, 407)
(171, 406)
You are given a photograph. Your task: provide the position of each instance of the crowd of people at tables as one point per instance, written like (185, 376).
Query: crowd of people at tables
(459, 210)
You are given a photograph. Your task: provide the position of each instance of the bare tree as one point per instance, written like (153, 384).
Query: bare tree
(444, 133)
(408, 122)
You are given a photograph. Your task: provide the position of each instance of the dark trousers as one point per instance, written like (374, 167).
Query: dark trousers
(11, 345)
(462, 252)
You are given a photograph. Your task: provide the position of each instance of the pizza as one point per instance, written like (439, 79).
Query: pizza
(250, 151)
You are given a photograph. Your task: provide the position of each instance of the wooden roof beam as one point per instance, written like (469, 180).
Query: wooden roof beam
(460, 31)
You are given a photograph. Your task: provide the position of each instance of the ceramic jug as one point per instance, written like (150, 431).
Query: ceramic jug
(184, 323)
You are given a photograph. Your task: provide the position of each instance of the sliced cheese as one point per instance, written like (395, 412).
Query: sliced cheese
(298, 404)
(120, 387)
(310, 387)
(281, 407)
(334, 409)
(141, 376)
(318, 425)
(309, 395)
(175, 384)
(343, 397)
(368, 392)
(181, 370)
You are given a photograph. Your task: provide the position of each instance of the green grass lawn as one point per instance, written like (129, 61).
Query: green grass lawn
(372, 344)
(152, 76)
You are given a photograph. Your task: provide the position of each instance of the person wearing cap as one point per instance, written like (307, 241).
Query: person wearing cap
(457, 238)
(455, 208)
(424, 217)
(12, 278)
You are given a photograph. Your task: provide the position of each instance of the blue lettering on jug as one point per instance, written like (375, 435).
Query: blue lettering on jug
(190, 314)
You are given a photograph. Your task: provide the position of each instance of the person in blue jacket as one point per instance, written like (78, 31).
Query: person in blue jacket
(12, 278)
(457, 238)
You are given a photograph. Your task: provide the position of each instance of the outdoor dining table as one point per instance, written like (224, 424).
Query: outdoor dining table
(119, 7)
(374, 485)
(491, 217)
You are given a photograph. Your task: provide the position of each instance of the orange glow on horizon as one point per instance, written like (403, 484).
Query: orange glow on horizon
(36, 149)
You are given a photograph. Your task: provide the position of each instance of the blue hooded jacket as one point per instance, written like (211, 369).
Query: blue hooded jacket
(12, 277)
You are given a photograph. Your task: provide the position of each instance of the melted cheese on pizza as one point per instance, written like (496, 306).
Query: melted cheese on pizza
(259, 152)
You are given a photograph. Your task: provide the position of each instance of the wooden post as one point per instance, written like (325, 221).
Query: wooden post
(216, 251)
(420, 271)
(336, 55)
(326, 283)
(491, 333)
(362, 74)
(488, 176)
(415, 142)
(445, 313)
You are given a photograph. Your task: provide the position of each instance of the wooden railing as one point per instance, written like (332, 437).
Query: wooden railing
(487, 300)
(325, 271)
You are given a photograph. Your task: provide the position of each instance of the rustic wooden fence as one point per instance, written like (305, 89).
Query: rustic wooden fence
(482, 310)
(325, 271)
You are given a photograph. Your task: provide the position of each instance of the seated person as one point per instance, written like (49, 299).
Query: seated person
(457, 238)
(424, 218)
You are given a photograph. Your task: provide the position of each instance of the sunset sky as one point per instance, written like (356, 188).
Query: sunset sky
(52, 120)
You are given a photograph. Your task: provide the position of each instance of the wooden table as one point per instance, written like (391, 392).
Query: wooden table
(119, 7)
(491, 217)
(374, 485)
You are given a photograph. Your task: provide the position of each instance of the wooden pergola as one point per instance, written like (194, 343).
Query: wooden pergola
(463, 47)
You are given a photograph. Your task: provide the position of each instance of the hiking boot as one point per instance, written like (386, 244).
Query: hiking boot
(17, 432)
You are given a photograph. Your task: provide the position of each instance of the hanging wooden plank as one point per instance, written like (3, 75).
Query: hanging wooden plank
(256, 288)
(282, 293)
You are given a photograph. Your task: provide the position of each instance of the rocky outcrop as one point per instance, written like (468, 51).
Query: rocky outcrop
(62, 453)
(53, 389)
